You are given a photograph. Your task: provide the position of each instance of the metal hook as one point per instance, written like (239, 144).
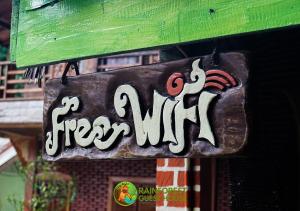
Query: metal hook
(74, 66)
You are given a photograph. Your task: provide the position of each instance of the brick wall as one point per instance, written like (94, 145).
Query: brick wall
(172, 173)
(196, 175)
(92, 179)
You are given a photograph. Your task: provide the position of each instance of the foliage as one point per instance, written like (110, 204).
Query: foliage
(16, 203)
(48, 189)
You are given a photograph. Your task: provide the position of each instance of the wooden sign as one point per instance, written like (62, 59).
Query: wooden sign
(184, 108)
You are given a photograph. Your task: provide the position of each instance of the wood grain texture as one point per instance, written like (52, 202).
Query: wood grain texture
(227, 113)
(14, 29)
(72, 29)
(21, 112)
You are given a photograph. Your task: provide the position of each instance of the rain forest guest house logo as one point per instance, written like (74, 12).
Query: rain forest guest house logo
(125, 193)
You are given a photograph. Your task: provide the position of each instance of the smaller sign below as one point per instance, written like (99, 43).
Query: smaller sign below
(184, 108)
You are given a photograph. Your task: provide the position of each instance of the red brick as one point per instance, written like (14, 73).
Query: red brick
(160, 162)
(176, 162)
(177, 199)
(196, 175)
(182, 178)
(91, 178)
(197, 199)
(196, 162)
(164, 178)
(159, 198)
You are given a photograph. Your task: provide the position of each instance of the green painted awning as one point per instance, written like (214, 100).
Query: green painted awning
(48, 31)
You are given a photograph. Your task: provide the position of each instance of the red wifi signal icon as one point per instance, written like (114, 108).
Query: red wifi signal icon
(219, 79)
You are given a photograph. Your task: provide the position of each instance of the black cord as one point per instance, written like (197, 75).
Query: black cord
(215, 56)
(74, 66)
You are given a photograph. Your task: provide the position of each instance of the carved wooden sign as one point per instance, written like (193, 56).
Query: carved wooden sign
(183, 108)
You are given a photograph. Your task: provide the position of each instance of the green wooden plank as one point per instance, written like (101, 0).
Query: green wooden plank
(69, 29)
(14, 29)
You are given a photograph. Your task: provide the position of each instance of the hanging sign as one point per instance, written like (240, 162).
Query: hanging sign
(183, 108)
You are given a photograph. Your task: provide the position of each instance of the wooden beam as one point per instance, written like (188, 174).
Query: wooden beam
(73, 29)
(24, 145)
(17, 81)
(16, 72)
(13, 91)
(20, 113)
